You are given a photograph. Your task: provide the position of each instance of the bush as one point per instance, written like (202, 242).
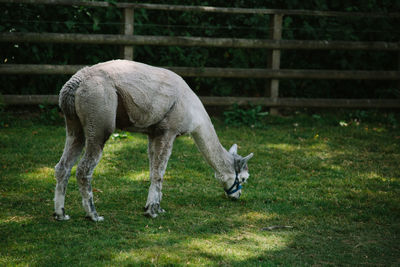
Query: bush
(253, 116)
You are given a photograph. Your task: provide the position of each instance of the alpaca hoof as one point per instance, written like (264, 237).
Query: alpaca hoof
(95, 217)
(62, 217)
(98, 219)
(150, 215)
(152, 210)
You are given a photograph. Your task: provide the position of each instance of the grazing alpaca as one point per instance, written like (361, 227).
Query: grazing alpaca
(141, 98)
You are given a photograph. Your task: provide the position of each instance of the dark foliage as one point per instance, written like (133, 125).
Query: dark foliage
(73, 19)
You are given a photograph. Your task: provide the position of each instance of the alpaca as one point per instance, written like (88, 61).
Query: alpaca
(136, 97)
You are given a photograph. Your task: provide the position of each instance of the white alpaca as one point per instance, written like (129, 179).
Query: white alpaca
(141, 98)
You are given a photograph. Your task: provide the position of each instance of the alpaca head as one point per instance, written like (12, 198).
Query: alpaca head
(233, 182)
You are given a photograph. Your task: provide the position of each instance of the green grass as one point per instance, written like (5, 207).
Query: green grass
(339, 187)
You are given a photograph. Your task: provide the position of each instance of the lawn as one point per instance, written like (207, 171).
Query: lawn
(336, 181)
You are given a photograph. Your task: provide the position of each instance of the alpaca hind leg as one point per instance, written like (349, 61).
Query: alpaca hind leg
(96, 107)
(73, 148)
(96, 137)
(160, 148)
(84, 174)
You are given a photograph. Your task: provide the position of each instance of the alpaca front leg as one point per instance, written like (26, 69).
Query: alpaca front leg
(160, 148)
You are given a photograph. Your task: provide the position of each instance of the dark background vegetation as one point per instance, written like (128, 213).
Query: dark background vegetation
(74, 19)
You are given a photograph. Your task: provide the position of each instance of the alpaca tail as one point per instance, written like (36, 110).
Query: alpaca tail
(66, 99)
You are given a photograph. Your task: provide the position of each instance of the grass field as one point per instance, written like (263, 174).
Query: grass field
(337, 182)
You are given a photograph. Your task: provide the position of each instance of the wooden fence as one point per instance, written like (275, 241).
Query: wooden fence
(272, 72)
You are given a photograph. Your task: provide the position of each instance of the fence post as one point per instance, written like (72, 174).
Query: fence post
(398, 68)
(274, 60)
(128, 30)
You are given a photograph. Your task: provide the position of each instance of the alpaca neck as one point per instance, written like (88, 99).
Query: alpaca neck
(215, 154)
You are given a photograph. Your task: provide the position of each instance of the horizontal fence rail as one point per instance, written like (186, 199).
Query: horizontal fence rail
(120, 39)
(273, 73)
(220, 72)
(209, 9)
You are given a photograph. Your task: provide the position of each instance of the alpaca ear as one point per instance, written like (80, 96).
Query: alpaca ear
(249, 156)
(233, 149)
(243, 161)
